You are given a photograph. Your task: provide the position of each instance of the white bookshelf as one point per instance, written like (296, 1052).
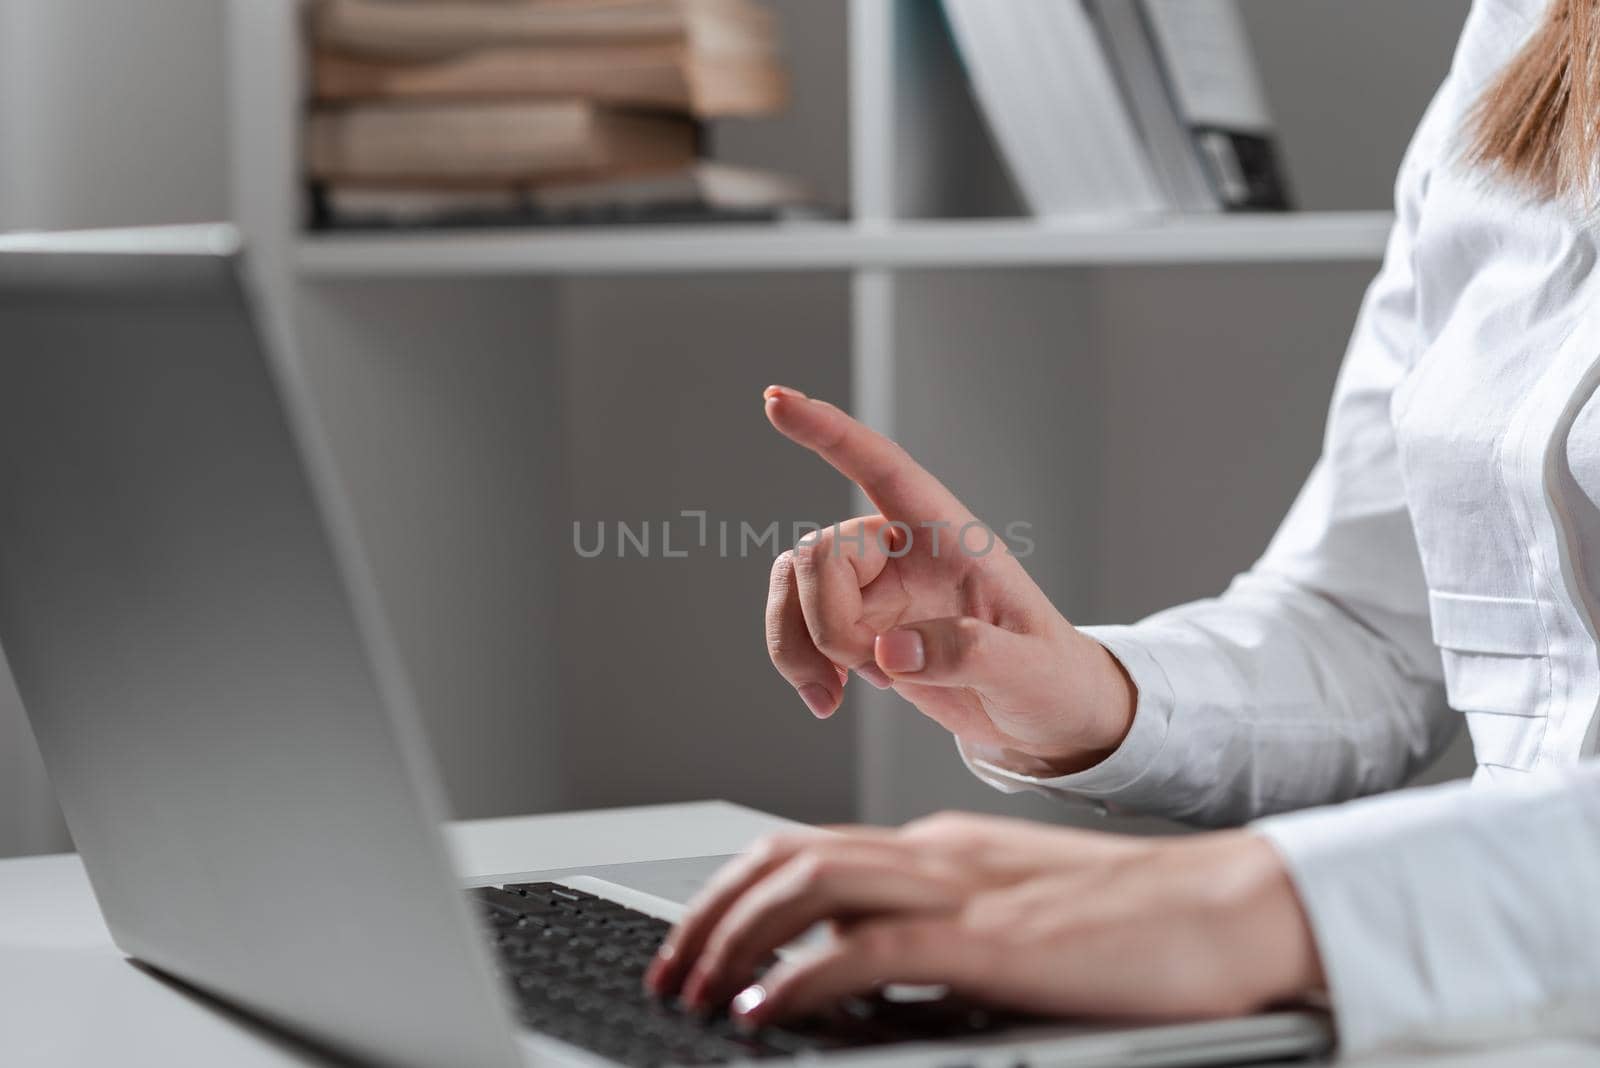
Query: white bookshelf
(500, 292)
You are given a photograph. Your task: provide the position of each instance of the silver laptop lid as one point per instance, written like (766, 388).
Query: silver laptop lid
(201, 657)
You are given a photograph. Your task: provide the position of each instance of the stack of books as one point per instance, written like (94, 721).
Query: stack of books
(472, 112)
(1106, 107)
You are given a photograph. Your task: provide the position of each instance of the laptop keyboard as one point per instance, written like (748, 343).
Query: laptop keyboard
(575, 964)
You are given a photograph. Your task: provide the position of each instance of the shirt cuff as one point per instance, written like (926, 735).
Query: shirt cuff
(1146, 736)
(1449, 915)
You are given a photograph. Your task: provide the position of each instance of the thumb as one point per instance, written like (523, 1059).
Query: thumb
(958, 651)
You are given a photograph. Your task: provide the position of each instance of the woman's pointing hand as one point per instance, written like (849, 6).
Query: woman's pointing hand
(922, 597)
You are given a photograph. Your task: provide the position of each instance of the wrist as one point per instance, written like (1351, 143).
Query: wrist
(1269, 934)
(1100, 715)
(1116, 699)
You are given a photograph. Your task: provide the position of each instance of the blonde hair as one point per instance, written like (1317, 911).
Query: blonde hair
(1536, 124)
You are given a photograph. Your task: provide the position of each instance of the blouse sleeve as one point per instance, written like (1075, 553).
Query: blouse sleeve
(1455, 914)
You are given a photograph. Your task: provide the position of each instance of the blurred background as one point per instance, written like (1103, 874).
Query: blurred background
(1149, 399)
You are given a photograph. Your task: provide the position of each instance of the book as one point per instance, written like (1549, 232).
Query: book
(712, 185)
(1174, 153)
(666, 75)
(702, 192)
(1049, 94)
(428, 29)
(337, 206)
(491, 143)
(1190, 78)
(1211, 69)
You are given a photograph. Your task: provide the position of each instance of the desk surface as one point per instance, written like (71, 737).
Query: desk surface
(69, 998)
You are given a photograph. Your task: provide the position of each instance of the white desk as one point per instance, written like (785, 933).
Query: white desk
(68, 998)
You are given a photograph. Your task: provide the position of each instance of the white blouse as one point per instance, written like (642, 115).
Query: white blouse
(1441, 564)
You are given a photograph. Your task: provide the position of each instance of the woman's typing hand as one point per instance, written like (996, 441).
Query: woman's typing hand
(922, 598)
(1008, 913)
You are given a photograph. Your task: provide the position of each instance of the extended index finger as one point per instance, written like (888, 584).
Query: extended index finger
(896, 484)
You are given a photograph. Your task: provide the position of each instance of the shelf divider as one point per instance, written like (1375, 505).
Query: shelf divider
(1307, 237)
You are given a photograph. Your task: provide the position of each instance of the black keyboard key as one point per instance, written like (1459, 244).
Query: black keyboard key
(555, 894)
(502, 902)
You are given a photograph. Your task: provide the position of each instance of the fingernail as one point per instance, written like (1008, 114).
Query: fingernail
(783, 391)
(818, 699)
(745, 1005)
(900, 652)
(874, 674)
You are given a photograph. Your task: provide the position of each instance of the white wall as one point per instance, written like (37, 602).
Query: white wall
(1347, 80)
(669, 694)
(111, 114)
(442, 405)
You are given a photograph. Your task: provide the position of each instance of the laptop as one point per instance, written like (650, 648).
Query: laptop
(201, 652)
